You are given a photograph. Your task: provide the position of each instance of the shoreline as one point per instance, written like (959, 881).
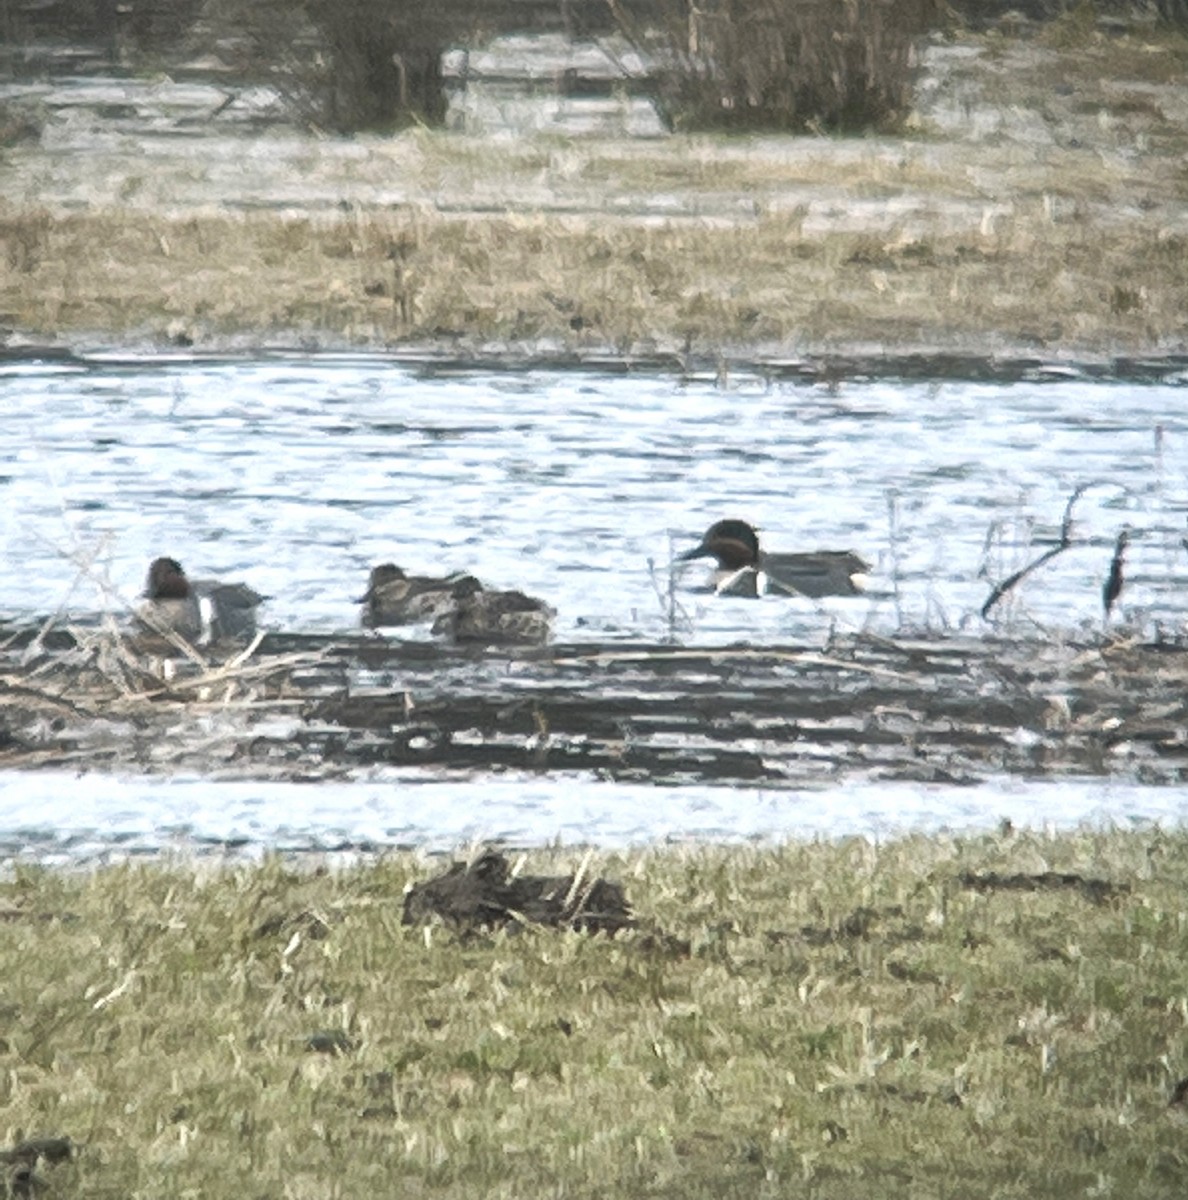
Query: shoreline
(1033, 210)
(823, 365)
(529, 288)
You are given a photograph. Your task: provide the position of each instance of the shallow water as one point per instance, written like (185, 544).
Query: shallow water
(59, 819)
(299, 474)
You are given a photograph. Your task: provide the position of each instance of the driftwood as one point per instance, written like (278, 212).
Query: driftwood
(484, 894)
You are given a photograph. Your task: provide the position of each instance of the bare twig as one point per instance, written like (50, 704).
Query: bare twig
(675, 615)
(892, 497)
(1066, 540)
(233, 671)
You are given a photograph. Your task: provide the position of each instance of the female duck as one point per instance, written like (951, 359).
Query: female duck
(497, 619)
(394, 598)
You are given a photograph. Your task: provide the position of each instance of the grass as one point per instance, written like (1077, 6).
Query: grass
(946, 238)
(848, 1019)
(580, 283)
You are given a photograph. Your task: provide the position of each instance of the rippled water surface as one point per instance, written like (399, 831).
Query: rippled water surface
(52, 817)
(298, 475)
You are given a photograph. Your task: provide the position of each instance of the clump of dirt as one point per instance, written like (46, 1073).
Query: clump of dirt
(486, 894)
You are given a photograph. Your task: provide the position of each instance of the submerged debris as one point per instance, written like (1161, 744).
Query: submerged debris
(291, 706)
(484, 894)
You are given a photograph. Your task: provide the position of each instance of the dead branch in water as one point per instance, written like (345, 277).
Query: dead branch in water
(1115, 580)
(1066, 540)
(675, 616)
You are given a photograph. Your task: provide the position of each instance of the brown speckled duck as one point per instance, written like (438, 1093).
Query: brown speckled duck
(396, 598)
(496, 618)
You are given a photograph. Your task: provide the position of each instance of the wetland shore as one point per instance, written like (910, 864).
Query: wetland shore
(1000, 1015)
(1034, 205)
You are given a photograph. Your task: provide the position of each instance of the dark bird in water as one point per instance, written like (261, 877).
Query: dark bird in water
(1115, 580)
(199, 610)
(394, 598)
(746, 570)
(497, 619)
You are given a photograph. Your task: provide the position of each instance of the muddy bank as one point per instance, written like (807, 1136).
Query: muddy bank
(955, 710)
(901, 363)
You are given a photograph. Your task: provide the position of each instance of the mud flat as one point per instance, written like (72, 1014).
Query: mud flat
(862, 708)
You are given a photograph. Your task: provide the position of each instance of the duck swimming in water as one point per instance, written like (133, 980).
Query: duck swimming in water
(395, 598)
(497, 619)
(199, 610)
(744, 569)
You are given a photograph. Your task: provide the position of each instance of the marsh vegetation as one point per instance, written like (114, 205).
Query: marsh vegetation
(1033, 202)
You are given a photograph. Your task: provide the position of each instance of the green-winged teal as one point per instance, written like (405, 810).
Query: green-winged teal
(746, 570)
(396, 598)
(497, 619)
(199, 610)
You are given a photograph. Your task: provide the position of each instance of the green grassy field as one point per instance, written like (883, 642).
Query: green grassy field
(997, 1016)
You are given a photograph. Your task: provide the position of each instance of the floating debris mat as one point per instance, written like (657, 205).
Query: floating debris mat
(293, 706)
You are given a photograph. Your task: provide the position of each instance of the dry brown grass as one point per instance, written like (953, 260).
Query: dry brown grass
(1049, 213)
(375, 279)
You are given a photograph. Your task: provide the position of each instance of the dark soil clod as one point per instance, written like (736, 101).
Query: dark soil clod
(485, 895)
(1099, 891)
(51, 1149)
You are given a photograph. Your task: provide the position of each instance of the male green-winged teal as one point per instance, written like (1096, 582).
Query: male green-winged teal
(744, 569)
(199, 610)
